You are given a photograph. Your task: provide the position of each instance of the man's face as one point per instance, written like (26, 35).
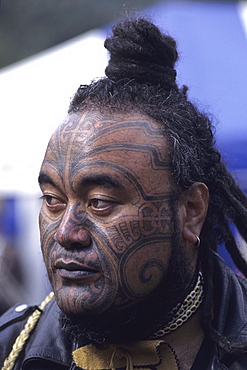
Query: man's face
(105, 222)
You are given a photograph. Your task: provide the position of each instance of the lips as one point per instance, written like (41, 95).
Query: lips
(71, 270)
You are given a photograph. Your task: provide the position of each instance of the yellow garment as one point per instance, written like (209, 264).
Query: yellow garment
(113, 356)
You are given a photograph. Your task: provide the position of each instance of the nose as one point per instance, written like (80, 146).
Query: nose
(72, 232)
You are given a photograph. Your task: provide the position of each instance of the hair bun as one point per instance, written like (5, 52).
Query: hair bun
(138, 50)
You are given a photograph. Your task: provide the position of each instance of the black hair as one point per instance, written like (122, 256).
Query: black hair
(141, 76)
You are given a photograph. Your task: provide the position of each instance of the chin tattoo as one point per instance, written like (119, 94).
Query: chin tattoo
(139, 321)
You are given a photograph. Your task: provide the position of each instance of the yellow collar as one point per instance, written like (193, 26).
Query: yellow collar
(113, 356)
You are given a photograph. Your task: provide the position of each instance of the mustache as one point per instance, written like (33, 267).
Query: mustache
(74, 262)
(76, 257)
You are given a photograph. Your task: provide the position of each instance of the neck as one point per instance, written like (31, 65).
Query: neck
(187, 340)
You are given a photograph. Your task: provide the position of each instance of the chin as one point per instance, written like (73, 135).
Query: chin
(79, 302)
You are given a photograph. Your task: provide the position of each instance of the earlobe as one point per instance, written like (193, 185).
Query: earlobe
(195, 202)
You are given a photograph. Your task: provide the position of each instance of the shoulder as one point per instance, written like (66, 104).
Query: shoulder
(20, 317)
(11, 323)
(34, 345)
(230, 296)
(15, 314)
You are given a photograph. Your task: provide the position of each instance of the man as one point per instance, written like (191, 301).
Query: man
(135, 202)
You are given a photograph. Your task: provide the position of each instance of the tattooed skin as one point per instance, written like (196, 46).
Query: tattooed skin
(106, 219)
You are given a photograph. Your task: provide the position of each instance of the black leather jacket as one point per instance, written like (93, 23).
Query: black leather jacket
(48, 349)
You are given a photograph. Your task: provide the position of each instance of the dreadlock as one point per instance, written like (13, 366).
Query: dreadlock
(141, 77)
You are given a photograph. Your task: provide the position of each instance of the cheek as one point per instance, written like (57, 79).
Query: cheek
(143, 247)
(42, 229)
(142, 267)
(47, 231)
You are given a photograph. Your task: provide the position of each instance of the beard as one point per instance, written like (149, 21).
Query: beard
(144, 318)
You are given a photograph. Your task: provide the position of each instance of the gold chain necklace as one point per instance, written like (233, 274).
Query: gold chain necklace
(185, 310)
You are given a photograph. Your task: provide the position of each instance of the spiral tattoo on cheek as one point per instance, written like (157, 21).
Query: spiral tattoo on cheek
(142, 248)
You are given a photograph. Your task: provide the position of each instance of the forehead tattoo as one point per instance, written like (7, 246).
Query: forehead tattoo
(87, 138)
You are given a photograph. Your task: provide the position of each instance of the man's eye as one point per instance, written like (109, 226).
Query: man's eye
(53, 203)
(100, 204)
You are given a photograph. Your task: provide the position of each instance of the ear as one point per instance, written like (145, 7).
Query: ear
(194, 202)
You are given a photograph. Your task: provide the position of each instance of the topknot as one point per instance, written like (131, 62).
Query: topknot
(138, 50)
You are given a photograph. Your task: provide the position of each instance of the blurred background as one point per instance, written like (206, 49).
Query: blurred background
(48, 48)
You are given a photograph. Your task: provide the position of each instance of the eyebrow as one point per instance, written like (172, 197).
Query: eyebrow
(44, 179)
(101, 180)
